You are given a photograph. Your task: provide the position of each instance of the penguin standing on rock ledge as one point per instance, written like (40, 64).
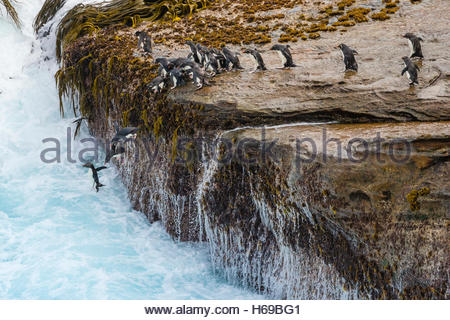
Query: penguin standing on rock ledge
(285, 55)
(144, 41)
(259, 62)
(414, 45)
(232, 58)
(348, 55)
(410, 70)
(176, 78)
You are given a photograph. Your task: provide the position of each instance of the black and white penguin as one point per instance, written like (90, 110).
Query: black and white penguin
(213, 64)
(232, 58)
(259, 62)
(194, 51)
(144, 41)
(221, 59)
(348, 55)
(285, 55)
(201, 52)
(414, 45)
(199, 79)
(164, 67)
(124, 134)
(176, 78)
(183, 64)
(410, 70)
(157, 85)
(95, 171)
(115, 150)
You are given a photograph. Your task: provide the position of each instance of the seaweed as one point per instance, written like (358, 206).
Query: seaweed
(11, 11)
(86, 19)
(47, 12)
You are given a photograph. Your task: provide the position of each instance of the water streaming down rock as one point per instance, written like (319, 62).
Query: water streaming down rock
(58, 238)
(258, 260)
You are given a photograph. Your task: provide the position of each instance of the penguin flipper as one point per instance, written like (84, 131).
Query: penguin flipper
(404, 70)
(101, 168)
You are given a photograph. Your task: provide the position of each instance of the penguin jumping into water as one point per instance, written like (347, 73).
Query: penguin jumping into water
(144, 41)
(232, 58)
(95, 171)
(410, 70)
(348, 55)
(285, 55)
(414, 45)
(259, 62)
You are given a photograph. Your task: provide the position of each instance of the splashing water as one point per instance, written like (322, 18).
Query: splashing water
(59, 239)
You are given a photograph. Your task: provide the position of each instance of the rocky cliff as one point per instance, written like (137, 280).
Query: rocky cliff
(306, 183)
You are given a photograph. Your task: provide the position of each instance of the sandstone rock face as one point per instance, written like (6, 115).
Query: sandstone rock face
(368, 218)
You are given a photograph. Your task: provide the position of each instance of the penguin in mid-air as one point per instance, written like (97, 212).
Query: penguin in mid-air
(232, 58)
(259, 62)
(348, 55)
(410, 70)
(414, 45)
(144, 41)
(95, 171)
(285, 55)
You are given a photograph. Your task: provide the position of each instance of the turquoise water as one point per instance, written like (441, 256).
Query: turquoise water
(59, 239)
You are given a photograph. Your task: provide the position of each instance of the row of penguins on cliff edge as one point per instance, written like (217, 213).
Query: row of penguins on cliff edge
(410, 68)
(203, 63)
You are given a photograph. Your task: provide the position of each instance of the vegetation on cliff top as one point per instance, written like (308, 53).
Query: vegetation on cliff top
(224, 21)
(86, 19)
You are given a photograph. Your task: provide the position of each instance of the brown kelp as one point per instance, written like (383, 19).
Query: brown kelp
(47, 12)
(11, 11)
(85, 19)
